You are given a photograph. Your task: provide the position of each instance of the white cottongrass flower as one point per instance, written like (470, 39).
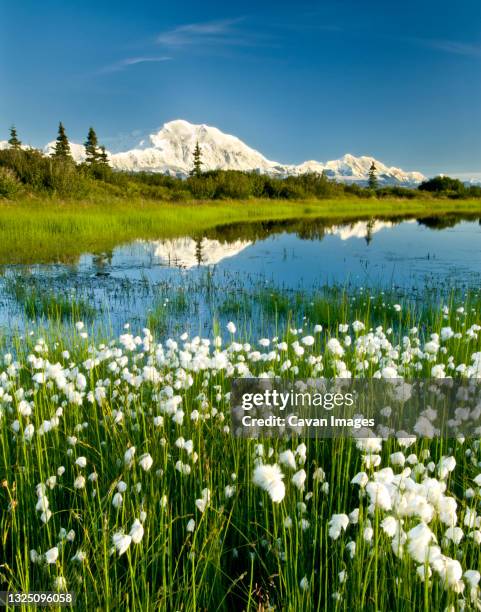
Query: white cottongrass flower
(117, 500)
(204, 501)
(299, 479)
(455, 534)
(337, 524)
(28, 432)
(370, 444)
(371, 461)
(354, 516)
(81, 462)
(334, 347)
(368, 533)
(229, 491)
(145, 462)
(121, 542)
(231, 328)
(79, 482)
(269, 478)
(379, 495)
(46, 516)
(360, 479)
(419, 539)
(79, 556)
(301, 451)
(60, 584)
(470, 517)
(358, 326)
(304, 584)
(42, 503)
(51, 555)
(129, 456)
(472, 577)
(390, 526)
(398, 458)
(190, 526)
(136, 531)
(288, 459)
(446, 466)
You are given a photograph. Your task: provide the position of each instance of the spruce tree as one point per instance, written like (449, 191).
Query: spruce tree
(103, 159)
(197, 169)
(62, 145)
(91, 147)
(13, 141)
(372, 180)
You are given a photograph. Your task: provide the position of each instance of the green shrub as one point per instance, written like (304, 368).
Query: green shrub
(445, 185)
(9, 183)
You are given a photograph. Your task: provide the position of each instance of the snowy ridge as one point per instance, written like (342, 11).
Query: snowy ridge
(170, 150)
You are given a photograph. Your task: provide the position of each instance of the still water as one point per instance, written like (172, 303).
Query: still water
(195, 279)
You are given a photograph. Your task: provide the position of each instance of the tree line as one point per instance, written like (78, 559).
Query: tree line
(28, 171)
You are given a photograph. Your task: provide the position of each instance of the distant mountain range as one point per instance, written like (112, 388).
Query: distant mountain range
(170, 151)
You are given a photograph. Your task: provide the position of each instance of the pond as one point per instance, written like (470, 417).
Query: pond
(234, 271)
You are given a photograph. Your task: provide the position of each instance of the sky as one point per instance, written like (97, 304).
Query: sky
(295, 80)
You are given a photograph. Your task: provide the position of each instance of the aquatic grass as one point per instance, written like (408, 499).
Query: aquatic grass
(168, 307)
(38, 301)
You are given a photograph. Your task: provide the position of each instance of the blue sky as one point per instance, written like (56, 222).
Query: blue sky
(295, 80)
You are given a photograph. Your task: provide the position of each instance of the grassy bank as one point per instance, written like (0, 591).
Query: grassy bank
(46, 230)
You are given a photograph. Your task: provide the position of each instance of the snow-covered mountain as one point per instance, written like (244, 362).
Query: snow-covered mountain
(170, 151)
(171, 148)
(77, 150)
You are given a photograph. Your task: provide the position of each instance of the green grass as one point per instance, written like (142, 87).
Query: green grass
(45, 230)
(240, 555)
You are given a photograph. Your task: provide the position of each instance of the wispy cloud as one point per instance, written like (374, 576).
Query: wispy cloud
(452, 47)
(134, 61)
(218, 32)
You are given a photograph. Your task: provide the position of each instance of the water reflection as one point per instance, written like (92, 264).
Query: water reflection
(131, 282)
(189, 252)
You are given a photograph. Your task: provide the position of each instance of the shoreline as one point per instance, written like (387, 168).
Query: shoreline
(49, 230)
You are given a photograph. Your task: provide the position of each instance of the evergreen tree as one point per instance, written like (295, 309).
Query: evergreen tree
(103, 159)
(91, 147)
(62, 145)
(197, 169)
(372, 180)
(13, 141)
